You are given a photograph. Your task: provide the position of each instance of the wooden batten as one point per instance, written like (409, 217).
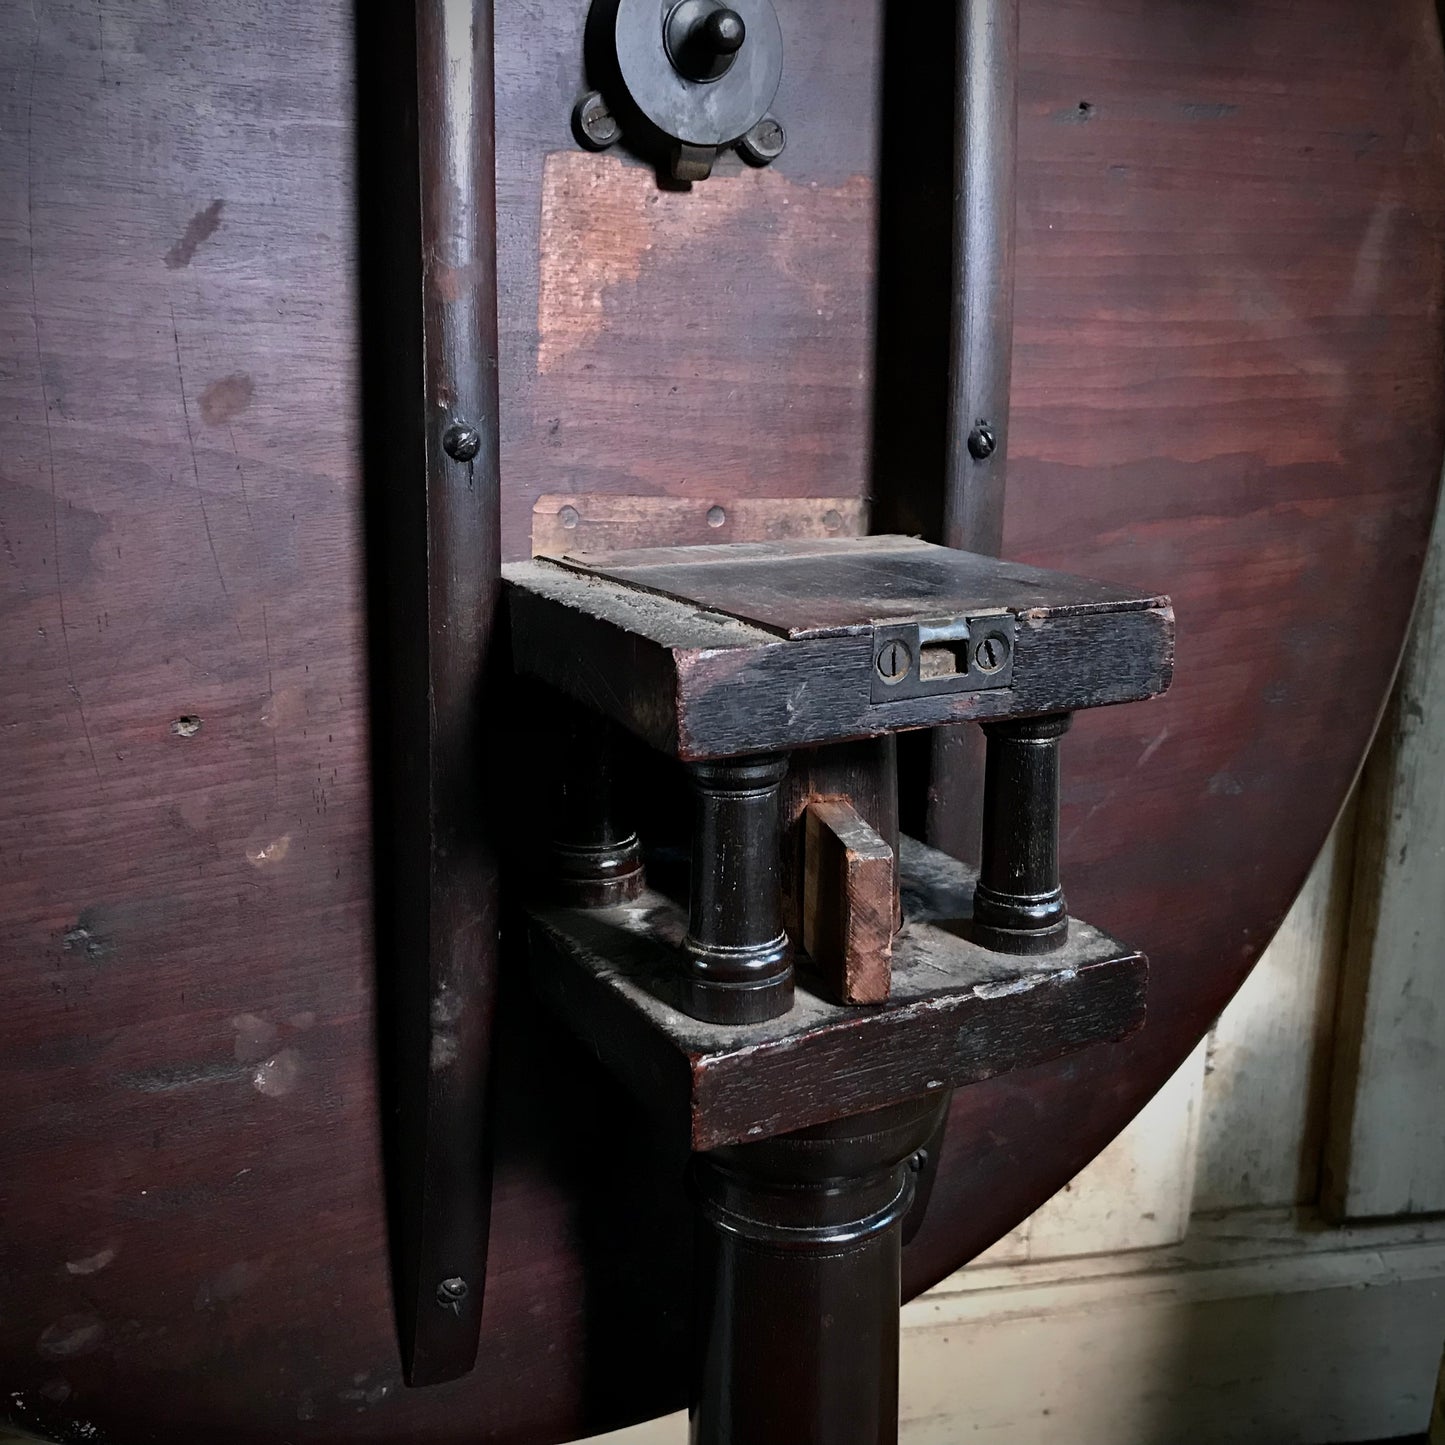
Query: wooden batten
(579, 524)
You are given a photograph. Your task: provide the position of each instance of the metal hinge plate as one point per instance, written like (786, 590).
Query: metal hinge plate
(956, 654)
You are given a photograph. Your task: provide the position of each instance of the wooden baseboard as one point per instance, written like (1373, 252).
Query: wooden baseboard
(1262, 1328)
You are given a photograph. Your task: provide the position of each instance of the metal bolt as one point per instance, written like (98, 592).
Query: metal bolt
(723, 32)
(716, 516)
(597, 127)
(764, 142)
(991, 653)
(982, 442)
(918, 1161)
(462, 442)
(893, 661)
(702, 39)
(451, 1293)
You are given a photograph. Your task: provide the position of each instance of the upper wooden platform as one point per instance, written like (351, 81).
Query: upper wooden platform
(749, 647)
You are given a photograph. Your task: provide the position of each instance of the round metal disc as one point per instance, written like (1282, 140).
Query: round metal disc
(703, 113)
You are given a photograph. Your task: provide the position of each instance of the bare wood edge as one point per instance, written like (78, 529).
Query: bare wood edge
(845, 863)
(583, 523)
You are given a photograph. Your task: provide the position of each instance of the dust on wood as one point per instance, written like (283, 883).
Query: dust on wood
(605, 223)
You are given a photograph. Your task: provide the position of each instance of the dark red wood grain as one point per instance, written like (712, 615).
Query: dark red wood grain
(1227, 387)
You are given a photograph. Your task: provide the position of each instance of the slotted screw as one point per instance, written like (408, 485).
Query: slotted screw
(764, 142)
(893, 661)
(597, 127)
(462, 442)
(982, 442)
(991, 653)
(451, 1293)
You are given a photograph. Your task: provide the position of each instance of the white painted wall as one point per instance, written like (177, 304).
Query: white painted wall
(1385, 1151)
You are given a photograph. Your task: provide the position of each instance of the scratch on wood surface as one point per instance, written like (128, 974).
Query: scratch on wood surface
(195, 465)
(45, 405)
(1155, 743)
(221, 403)
(172, 1077)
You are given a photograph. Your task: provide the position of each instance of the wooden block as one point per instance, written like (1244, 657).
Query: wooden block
(848, 873)
(865, 772)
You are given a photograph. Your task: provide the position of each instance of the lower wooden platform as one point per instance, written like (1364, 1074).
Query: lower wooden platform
(957, 1012)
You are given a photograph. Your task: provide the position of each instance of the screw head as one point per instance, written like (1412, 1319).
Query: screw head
(991, 653)
(461, 442)
(893, 661)
(982, 443)
(764, 142)
(597, 127)
(451, 1292)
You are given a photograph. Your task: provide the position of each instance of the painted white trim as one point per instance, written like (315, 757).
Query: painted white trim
(1235, 1255)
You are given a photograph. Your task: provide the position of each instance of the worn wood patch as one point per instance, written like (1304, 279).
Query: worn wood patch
(674, 337)
(608, 229)
(600, 522)
(847, 902)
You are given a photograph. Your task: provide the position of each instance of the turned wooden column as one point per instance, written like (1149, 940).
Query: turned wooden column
(739, 966)
(596, 856)
(798, 1279)
(1019, 905)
